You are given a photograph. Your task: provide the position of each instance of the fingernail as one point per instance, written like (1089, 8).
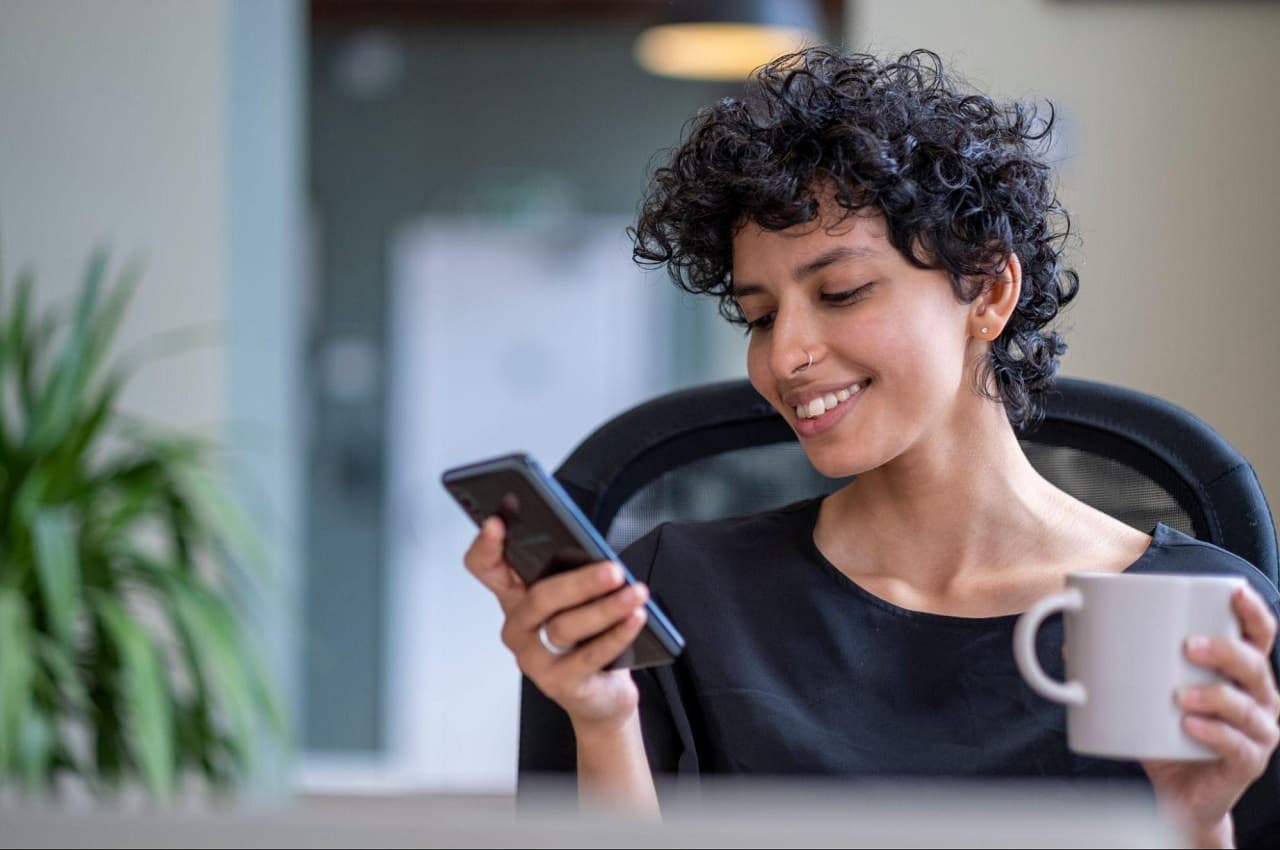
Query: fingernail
(639, 592)
(1197, 645)
(1186, 697)
(613, 574)
(1196, 725)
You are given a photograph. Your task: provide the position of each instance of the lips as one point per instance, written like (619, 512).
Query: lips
(822, 403)
(814, 426)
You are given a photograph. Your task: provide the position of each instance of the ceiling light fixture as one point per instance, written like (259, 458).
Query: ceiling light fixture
(726, 39)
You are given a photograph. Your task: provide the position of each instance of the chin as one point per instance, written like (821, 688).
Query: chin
(830, 465)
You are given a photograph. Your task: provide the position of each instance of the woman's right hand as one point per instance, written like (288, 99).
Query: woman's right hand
(578, 613)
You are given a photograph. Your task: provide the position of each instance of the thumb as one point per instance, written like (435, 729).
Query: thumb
(485, 560)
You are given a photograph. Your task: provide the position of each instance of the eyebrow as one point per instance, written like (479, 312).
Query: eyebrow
(842, 254)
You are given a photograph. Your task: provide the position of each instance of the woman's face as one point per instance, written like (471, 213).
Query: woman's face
(895, 337)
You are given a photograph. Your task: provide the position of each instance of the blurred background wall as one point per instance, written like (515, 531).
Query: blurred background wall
(113, 133)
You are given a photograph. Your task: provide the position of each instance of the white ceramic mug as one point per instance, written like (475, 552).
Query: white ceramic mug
(1124, 636)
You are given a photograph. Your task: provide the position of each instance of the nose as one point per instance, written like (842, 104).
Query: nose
(795, 345)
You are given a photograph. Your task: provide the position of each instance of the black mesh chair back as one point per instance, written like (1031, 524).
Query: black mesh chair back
(720, 450)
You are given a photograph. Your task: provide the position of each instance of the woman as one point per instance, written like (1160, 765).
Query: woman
(892, 244)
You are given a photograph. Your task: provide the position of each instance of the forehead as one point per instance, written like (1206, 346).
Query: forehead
(863, 235)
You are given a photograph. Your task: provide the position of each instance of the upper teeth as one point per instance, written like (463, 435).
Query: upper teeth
(822, 404)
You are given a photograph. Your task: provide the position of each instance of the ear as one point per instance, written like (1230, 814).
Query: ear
(991, 310)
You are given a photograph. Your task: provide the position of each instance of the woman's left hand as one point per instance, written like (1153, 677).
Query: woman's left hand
(1237, 719)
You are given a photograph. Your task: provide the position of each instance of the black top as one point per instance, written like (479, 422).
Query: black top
(792, 668)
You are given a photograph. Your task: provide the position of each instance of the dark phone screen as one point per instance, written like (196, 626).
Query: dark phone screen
(538, 544)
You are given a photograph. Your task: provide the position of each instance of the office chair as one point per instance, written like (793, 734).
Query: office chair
(720, 450)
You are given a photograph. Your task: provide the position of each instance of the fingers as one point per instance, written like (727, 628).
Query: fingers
(485, 552)
(1237, 721)
(598, 631)
(1239, 662)
(595, 654)
(587, 621)
(1256, 620)
(1233, 706)
(569, 678)
(484, 559)
(1244, 755)
(561, 592)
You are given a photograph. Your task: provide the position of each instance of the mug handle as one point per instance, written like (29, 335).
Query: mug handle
(1024, 647)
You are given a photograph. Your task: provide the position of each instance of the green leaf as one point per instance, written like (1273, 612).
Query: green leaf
(78, 517)
(30, 350)
(70, 463)
(36, 745)
(24, 340)
(17, 674)
(268, 697)
(57, 668)
(29, 497)
(200, 746)
(134, 488)
(198, 740)
(108, 320)
(148, 701)
(58, 571)
(56, 407)
(58, 660)
(107, 716)
(213, 630)
(5, 372)
(20, 316)
(234, 678)
(225, 518)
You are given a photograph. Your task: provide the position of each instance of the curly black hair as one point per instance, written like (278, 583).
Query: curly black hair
(960, 179)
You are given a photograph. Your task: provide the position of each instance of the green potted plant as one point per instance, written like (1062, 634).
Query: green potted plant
(123, 656)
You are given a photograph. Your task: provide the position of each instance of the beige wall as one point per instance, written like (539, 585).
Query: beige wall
(112, 133)
(1172, 127)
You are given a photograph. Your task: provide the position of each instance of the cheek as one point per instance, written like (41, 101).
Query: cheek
(938, 367)
(919, 365)
(758, 368)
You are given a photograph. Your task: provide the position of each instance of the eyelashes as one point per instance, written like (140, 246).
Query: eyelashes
(837, 298)
(849, 294)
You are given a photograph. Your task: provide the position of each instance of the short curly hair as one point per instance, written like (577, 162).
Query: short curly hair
(960, 179)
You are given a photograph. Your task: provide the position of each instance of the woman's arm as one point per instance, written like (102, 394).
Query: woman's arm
(613, 771)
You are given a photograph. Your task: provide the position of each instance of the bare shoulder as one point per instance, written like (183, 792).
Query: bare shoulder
(1097, 541)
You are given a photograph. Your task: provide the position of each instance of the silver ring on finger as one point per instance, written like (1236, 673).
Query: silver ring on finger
(550, 645)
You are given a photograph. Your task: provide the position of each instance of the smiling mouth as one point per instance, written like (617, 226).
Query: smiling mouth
(830, 401)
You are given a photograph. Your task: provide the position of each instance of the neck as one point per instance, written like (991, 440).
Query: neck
(962, 502)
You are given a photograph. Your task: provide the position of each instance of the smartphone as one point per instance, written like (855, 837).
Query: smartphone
(547, 534)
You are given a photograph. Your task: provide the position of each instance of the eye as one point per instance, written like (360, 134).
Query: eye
(761, 323)
(848, 295)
